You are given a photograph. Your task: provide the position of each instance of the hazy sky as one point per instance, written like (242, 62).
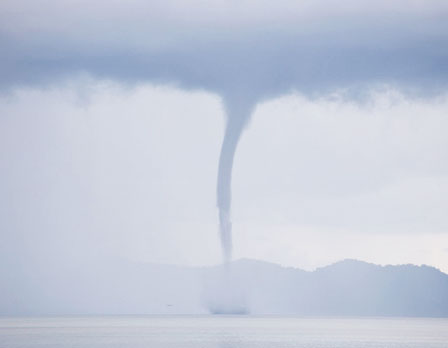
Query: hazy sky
(111, 122)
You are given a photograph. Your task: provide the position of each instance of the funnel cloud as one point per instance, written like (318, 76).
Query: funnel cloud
(238, 112)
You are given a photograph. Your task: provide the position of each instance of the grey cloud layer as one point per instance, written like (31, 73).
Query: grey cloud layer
(311, 49)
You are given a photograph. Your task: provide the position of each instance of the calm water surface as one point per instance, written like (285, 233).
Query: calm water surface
(223, 332)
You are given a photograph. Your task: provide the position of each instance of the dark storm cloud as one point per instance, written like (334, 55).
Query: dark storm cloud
(268, 58)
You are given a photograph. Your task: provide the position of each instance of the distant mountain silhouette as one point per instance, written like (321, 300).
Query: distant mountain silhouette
(346, 288)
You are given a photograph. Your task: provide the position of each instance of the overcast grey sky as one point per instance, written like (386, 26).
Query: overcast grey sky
(111, 122)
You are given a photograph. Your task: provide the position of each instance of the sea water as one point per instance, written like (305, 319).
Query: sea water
(223, 332)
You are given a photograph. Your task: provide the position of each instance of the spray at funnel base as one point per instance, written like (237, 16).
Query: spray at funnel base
(225, 291)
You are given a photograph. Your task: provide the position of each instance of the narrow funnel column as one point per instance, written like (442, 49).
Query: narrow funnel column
(237, 117)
